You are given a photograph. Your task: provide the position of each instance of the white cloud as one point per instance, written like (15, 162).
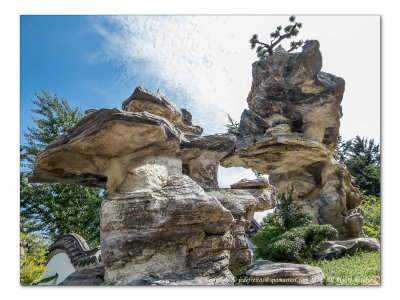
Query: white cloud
(207, 60)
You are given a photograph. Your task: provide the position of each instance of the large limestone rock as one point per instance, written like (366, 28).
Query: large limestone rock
(201, 156)
(247, 197)
(289, 132)
(165, 221)
(264, 272)
(172, 234)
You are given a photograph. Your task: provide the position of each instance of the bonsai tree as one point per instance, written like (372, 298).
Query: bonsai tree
(267, 49)
(288, 235)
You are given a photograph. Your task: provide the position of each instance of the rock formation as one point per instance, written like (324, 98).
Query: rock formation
(335, 249)
(265, 272)
(289, 132)
(165, 221)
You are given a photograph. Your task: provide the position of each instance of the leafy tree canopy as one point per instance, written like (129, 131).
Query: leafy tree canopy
(55, 209)
(32, 258)
(361, 157)
(371, 207)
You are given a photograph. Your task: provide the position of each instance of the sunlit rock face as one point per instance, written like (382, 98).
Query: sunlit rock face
(166, 221)
(243, 199)
(289, 132)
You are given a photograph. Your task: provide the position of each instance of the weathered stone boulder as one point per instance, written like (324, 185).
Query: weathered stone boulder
(174, 233)
(264, 272)
(335, 249)
(288, 88)
(201, 156)
(165, 221)
(289, 133)
(248, 197)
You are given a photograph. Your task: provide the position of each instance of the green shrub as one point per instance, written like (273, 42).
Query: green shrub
(371, 206)
(288, 234)
(33, 258)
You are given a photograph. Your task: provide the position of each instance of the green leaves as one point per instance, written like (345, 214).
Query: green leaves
(253, 40)
(362, 159)
(33, 258)
(55, 209)
(372, 216)
(54, 117)
(287, 235)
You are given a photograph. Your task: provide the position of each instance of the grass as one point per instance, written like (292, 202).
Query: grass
(360, 268)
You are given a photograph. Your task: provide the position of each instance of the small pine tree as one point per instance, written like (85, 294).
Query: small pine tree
(291, 30)
(232, 126)
(288, 234)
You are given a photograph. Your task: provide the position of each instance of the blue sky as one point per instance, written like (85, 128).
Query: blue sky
(202, 63)
(57, 55)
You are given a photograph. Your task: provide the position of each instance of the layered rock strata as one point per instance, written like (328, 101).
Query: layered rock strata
(242, 200)
(165, 221)
(264, 272)
(289, 132)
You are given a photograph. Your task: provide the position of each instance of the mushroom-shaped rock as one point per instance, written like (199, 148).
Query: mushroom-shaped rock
(158, 226)
(158, 104)
(103, 149)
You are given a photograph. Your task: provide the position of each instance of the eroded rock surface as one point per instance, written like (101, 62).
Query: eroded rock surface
(264, 272)
(248, 197)
(166, 222)
(289, 132)
(335, 249)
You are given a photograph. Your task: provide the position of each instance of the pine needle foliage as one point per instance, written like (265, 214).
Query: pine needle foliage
(267, 49)
(288, 235)
(55, 209)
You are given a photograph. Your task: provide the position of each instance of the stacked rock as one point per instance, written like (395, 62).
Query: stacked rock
(165, 221)
(289, 132)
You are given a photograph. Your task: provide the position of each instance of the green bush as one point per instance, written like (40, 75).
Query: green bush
(288, 235)
(371, 206)
(33, 258)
